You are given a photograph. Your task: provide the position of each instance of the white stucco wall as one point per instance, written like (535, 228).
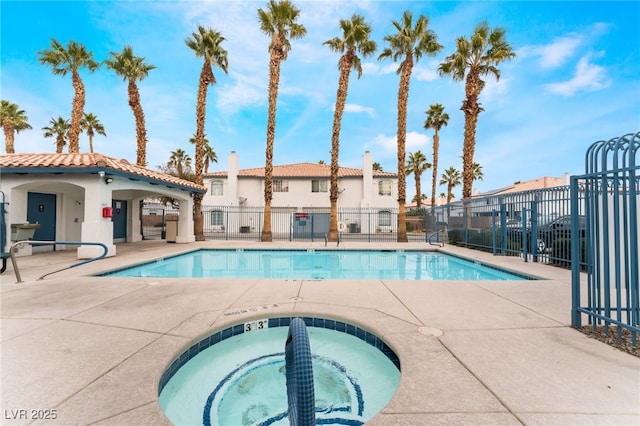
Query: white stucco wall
(358, 192)
(80, 198)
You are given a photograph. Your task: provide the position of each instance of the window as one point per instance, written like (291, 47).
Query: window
(216, 187)
(216, 218)
(384, 218)
(384, 187)
(319, 185)
(280, 185)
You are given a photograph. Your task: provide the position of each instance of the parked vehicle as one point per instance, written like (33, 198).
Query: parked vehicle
(549, 230)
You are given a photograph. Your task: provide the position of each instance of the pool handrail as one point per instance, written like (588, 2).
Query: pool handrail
(437, 232)
(299, 375)
(18, 243)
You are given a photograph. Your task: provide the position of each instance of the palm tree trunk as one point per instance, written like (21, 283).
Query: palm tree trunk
(341, 99)
(9, 134)
(418, 177)
(471, 109)
(206, 77)
(141, 132)
(76, 113)
(60, 144)
(434, 175)
(274, 80)
(403, 98)
(91, 143)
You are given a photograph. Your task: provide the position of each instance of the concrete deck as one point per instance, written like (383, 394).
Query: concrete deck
(472, 352)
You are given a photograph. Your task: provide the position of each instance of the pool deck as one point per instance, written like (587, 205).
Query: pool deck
(92, 349)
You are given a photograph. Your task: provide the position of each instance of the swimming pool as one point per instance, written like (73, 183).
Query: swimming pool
(236, 376)
(316, 265)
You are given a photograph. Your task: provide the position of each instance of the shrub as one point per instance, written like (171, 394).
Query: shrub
(561, 251)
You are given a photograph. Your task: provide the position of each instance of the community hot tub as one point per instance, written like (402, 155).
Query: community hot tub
(236, 376)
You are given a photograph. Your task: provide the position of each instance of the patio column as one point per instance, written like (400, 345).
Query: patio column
(97, 227)
(185, 222)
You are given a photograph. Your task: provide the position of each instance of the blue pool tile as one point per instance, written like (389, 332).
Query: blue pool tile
(204, 344)
(215, 338)
(226, 333)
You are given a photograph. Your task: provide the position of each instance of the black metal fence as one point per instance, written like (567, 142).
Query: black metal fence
(534, 225)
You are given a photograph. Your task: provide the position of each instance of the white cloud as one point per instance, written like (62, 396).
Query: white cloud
(495, 89)
(415, 141)
(558, 52)
(587, 76)
(359, 108)
(372, 68)
(424, 74)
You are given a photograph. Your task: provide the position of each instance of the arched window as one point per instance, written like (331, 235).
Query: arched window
(384, 218)
(216, 187)
(217, 218)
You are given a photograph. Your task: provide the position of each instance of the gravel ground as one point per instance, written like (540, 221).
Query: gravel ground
(624, 343)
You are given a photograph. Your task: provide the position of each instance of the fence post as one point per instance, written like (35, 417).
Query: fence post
(534, 229)
(576, 320)
(494, 231)
(525, 240)
(503, 226)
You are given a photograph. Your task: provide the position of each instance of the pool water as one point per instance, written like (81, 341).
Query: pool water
(316, 265)
(241, 380)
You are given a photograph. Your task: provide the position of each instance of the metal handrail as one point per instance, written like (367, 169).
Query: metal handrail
(83, 243)
(439, 244)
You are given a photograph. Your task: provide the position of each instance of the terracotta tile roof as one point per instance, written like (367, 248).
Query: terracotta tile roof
(88, 163)
(301, 170)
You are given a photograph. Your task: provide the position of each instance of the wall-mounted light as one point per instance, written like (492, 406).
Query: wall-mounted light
(341, 190)
(242, 200)
(108, 180)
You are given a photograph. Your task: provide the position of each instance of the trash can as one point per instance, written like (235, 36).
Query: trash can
(172, 231)
(23, 231)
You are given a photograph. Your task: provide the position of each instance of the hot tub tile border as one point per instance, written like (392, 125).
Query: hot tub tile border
(237, 329)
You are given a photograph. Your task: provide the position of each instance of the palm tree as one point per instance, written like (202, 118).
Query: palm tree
(477, 171)
(206, 44)
(417, 164)
(59, 128)
(355, 39)
(376, 166)
(72, 59)
(278, 21)
(92, 125)
(409, 44)
(451, 177)
(133, 69)
(180, 161)
(208, 154)
(436, 119)
(14, 120)
(475, 57)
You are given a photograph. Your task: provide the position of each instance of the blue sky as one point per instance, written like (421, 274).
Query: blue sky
(575, 80)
